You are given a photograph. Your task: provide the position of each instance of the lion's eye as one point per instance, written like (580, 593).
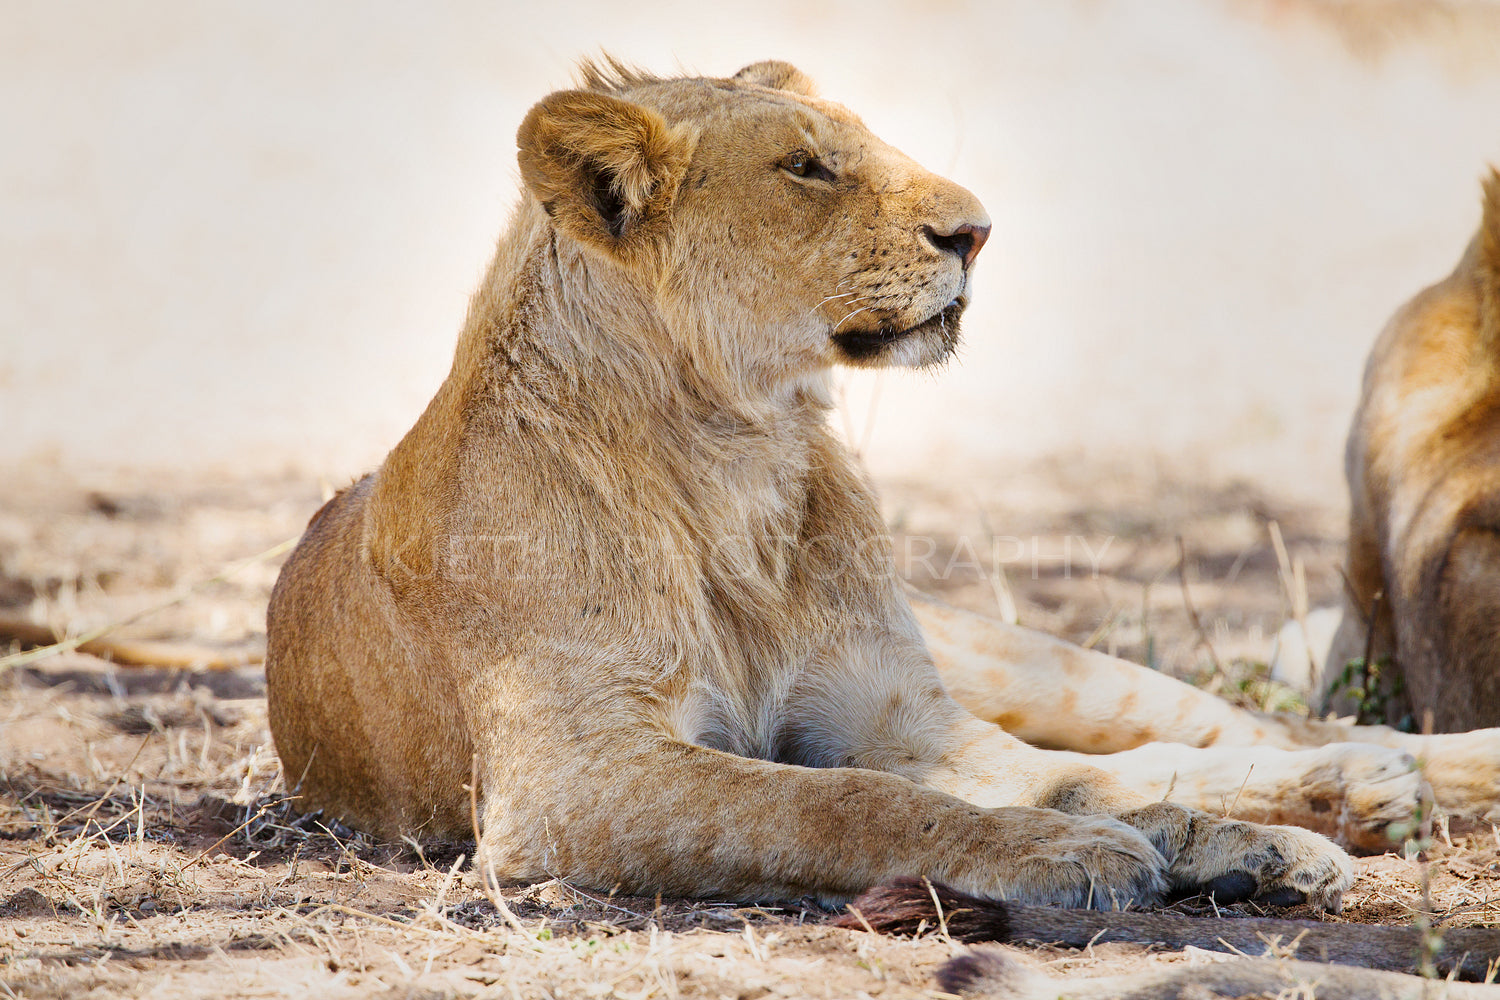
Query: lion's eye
(804, 164)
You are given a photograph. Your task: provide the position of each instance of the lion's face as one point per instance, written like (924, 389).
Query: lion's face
(764, 219)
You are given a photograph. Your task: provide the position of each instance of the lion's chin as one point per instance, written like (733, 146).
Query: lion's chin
(928, 343)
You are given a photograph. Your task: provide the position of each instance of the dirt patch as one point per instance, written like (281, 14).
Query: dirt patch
(147, 847)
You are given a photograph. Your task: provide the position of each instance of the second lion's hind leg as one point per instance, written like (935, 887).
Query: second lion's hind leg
(1353, 792)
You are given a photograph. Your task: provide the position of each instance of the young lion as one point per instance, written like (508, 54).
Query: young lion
(621, 564)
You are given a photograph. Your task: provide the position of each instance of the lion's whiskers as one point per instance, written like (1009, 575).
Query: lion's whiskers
(849, 316)
(840, 295)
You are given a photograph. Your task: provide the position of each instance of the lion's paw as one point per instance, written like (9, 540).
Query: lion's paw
(1236, 860)
(1088, 861)
(1383, 795)
(1464, 771)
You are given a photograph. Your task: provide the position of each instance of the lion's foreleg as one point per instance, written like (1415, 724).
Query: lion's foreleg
(643, 814)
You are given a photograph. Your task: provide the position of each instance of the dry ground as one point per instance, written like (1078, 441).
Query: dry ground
(145, 849)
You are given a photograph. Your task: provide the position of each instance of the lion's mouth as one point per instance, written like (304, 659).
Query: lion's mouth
(861, 345)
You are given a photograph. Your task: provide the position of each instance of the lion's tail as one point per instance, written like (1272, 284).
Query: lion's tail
(1489, 261)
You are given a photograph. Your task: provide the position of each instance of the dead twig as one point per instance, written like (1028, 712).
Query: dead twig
(110, 790)
(216, 844)
(1294, 584)
(487, 873)
(1187, 602)
(147, 653)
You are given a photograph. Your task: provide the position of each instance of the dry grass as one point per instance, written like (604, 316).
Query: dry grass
(148, 845)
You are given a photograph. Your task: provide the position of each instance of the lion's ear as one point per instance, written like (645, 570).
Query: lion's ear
(778, 75)
(606, 170)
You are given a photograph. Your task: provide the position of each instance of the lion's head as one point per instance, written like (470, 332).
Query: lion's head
(761, 225)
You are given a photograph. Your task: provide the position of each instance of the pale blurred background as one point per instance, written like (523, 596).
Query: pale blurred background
(240, 237)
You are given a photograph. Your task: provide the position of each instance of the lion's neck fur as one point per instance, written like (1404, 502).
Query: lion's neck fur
(601, 416)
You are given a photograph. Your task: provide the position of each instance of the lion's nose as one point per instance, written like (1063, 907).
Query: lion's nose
(963, 242)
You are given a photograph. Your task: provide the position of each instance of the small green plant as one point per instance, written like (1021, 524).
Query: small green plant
(1415, 836)
(1248, 683)
(1377, 689)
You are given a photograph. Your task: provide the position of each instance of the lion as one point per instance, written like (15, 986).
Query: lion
(622, 585)
(1423, 466)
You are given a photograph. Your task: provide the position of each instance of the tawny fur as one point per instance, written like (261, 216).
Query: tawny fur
(1157, 734)
(1423, 464)
(621, 564)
